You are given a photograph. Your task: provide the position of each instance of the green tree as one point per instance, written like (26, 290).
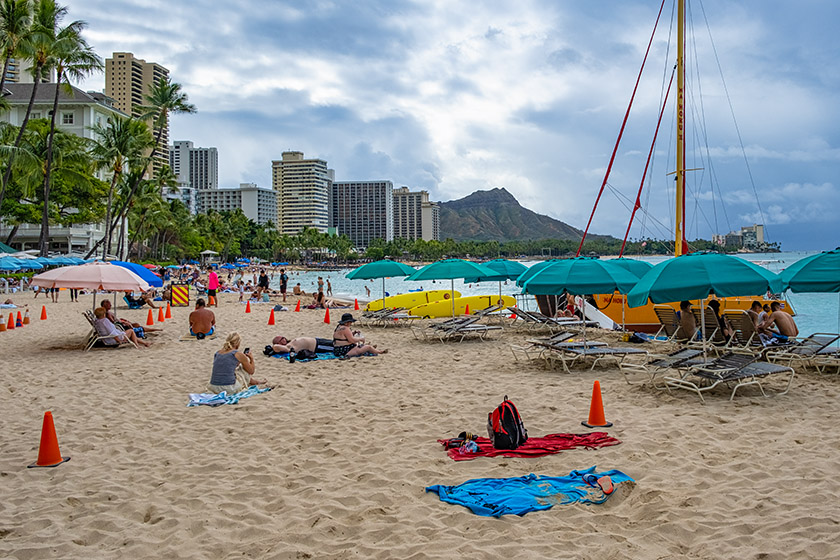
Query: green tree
(15, 24)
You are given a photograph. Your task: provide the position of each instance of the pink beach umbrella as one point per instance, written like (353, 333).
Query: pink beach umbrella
(92, 276)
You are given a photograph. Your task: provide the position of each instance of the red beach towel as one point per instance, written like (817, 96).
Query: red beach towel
(535, 446)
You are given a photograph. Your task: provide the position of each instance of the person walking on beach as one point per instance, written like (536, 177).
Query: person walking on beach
(329, 287)
(284, 283)
(212, 287)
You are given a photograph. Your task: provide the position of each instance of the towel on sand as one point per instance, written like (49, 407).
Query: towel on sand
(494, 497)
(212, 399)
(318, 356)
(536, 446)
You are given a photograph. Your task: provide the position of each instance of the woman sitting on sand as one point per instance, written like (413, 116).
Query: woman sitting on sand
(347, 343)
(233, 370)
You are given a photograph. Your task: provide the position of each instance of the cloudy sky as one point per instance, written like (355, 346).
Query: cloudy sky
(454, 97)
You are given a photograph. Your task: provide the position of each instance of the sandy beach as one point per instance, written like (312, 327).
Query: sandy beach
(334, 461)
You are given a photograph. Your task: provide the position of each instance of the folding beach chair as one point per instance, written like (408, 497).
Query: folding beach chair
(569, 355)
(537, 346)
(659, 363)
(95, 337)
(802, 351)
(744, 336)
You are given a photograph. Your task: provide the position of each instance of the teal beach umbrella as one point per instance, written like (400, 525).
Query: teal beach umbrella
(817, 273)
(450, 269)
(639, 268)
(381, 269)
(580, 276)
(505, 270)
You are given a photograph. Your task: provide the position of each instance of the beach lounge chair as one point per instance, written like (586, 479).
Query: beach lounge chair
(732, 369)
(136, 304)
(528, 320)
(659, 363)
(670, 327)
(802, 351)
(95, 337)
(744, 335)
(714, 335)
(569, 355)
(537, 346)
(826, 358)
(460, 330)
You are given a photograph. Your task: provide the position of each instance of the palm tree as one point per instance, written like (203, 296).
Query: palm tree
(164, 98)
(73, 59)
(119, 147)
(15, 22)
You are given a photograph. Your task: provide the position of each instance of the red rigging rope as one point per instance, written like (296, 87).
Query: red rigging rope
(638, 203)
(621, 131)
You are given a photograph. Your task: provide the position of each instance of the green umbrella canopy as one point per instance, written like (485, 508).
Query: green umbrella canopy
(817, 273)
(639, 268)
(580, 275)
(505, 270)
(533, 270)
(450, 269)
(380, 269)
(696, 275)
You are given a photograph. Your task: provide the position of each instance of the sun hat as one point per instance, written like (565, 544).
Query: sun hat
(347, 318)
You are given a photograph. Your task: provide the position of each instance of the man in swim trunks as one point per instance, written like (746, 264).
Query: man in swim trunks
(202, 320)
(284, 282)
(783, 321)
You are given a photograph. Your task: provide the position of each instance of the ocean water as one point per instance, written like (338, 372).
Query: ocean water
(814, 312)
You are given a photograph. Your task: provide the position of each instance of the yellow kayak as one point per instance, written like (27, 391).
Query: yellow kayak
(411, 299)
(443, 308)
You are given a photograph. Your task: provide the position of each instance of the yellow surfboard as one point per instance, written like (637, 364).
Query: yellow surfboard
(411, 299)
(443, 308)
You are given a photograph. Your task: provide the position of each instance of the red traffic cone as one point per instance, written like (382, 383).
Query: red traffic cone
(11, 325)
(161, 318)
(467, 309)
(327, 316)
(48, 453)
(43, 312)
(355, 305)
(248, 307)
(297, 307)
(26, 316)
(271, 318)
(596, 410)
(19, 321)
(150, 320)
(168, 314)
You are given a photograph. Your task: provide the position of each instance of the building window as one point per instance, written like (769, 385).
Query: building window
(67, 118)
(36, 115)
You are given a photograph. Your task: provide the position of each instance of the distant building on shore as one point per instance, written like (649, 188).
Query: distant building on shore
(363, 210)
(128, 81)
(750, 237)
(303, 189)
(196, 169)
(415, 216)
(257, 203)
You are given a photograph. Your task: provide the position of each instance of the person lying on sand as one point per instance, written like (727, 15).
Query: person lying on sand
(346, 343)
(281, 345)
(233, 370)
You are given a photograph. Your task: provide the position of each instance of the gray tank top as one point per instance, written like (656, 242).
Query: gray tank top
(224, 368)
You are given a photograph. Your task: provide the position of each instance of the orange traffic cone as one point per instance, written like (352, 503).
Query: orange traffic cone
(212, 300)
(2, 325)
(43, 312)
(161, 318)
(467, 309)
(150, 320)
(271, 318)
(48, 453)
(11, 325)
(26, 316)
(355, 305)
(19, 321)
(248, 307)
(596, 410)
(168, 311)
(327, 316)
(297, 307)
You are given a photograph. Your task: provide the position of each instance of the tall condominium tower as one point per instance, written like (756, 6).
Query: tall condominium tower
(197, 166)
(363, 210)
(415, 216)
(127, 81)
(303, 192)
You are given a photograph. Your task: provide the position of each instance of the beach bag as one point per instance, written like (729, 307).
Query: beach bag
(505, 427)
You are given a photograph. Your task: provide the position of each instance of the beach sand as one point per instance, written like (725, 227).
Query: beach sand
(333, 463)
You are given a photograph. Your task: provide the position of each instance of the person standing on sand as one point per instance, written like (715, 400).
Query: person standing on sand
(329, 288)
(284, 283)
(212, 286)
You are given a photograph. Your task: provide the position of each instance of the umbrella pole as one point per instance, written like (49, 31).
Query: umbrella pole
(452, 295)
(703, 324)
(383, 293)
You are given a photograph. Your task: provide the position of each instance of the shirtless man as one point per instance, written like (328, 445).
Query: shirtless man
(281, 345)
(783, 321)
(688, 324)
(202, 320)
(297, 290)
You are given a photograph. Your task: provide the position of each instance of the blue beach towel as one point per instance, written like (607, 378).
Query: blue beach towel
(211, 399)
(318, 356)
(494, 497)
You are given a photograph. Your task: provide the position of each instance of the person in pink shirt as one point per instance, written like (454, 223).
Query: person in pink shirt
(212, 286)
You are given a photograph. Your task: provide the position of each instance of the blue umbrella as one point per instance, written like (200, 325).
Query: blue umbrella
(28, 264)
(173, 266)
(8, 265)
(228, 266)
(150, 277)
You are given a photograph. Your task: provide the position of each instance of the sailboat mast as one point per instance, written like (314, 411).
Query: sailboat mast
(679, 232)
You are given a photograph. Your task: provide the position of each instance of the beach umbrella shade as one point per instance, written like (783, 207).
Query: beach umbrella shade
(450, 269)
(639, 268)
(533, 269)
(9, 265)
(818, 273)
(150, 266)
(91, 276)
(150, 277)
(381, 269)
(227, 266)
(505, 270)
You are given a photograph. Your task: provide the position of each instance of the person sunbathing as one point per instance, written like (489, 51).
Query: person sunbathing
(104, 327)
(347, 343)
(282, 345)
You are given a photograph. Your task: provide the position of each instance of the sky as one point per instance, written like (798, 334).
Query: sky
(455, 97)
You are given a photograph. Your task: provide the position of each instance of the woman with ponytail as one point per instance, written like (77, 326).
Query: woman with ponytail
(232, 370)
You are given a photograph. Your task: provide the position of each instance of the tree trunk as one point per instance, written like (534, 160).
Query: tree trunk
(108, 212)
(20, 134)
(12, 234)
(44, 240)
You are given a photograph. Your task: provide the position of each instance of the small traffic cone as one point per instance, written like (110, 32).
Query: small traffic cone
(150, 320)
(355, 305)
(19, 321)
(161, 318)
(48, 453)
(26, 316)
(596, 410)
(297, 307)
(43, 312)
(212, 301)
(327, 316)
(2, 325)
(271, 318)
(168, 311)
(11, 325)
(467, 309)
(248, 307)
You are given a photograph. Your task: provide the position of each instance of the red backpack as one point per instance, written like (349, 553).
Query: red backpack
(505, 428)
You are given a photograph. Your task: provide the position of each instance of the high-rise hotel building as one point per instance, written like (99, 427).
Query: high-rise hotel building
(363, 210)
(127, 81)
(415, 216)
(303, 193)
(197, 166)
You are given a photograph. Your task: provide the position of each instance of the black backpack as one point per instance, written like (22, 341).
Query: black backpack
(504, 425)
